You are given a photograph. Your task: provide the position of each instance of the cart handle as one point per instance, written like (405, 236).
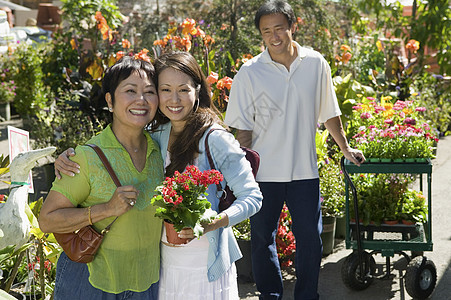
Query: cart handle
(356, 215)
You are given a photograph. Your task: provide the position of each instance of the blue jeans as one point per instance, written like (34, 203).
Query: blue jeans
(72, 282)
(303, 201)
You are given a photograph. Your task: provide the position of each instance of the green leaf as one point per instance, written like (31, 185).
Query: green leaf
(31, 217)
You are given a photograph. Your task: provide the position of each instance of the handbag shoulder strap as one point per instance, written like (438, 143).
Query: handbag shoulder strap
(210, 159)
(113, 175)
(106, 163)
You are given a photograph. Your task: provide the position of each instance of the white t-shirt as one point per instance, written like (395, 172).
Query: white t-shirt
(283, 108)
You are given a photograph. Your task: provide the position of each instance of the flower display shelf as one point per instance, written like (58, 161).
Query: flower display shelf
(391, 238)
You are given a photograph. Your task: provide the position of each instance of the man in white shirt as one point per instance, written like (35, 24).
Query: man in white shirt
(276, 101)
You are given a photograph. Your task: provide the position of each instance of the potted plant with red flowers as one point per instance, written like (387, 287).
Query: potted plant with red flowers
(181, 200)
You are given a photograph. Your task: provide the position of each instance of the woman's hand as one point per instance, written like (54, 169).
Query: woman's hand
(221, 220)
(64, 165)
(123, 199)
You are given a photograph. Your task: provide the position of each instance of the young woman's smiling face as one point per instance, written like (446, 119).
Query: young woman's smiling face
(177, 95)
(135, 101)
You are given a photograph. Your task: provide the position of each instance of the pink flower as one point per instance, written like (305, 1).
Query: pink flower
(420, 108)
(388, 121)
(410, 121)
(366, 115)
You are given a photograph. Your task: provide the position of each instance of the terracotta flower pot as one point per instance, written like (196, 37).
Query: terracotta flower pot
(172, 235)
(408, 222)
(391, 222)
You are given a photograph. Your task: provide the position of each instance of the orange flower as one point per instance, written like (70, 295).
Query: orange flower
(120, 54)
(413, 45)
(103, 26)
(300, 21)
(212, 78)
(224, 26)
(189, 27)
(183, 43)
(225, 82)
(73, 44)
(208, 40)
(143, 55)
(159, 43)
(345, 48)
(200, 32)
(246, 57)
(126, 44)
(346, 57)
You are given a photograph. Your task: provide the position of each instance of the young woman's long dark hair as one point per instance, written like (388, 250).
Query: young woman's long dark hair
(185, 148)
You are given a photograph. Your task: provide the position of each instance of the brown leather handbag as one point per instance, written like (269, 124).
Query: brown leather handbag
(82, 245)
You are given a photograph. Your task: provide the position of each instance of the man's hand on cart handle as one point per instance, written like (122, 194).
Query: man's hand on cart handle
(355, 156)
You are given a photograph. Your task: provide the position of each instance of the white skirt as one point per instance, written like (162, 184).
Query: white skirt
(183, 273)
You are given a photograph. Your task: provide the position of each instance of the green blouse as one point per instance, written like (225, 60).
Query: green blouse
(129, 257)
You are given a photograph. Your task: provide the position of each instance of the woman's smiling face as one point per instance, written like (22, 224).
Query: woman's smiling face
(177, 95)
(135, 101)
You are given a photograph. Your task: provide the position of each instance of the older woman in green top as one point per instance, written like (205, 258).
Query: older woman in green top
(127, 263)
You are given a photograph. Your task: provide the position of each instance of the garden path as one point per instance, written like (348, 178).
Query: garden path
(331, 285)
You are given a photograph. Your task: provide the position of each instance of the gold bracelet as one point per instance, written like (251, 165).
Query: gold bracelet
(89, 215)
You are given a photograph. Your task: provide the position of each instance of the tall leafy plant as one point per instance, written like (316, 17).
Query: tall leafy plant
(31, 93)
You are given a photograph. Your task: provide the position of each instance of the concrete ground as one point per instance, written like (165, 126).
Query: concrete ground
(330, 282)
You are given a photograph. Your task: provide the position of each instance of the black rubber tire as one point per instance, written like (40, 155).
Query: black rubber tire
(350, 271)
(420, 278)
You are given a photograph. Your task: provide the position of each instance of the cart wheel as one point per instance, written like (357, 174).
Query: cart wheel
(350, 271)
(420, 278)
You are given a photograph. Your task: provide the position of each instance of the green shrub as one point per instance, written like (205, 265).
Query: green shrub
(31, 93)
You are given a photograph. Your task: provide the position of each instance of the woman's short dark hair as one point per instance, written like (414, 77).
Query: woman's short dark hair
(275, 7)
(121, 70)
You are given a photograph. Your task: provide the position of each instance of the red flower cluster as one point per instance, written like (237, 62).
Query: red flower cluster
(181, 199)
(36, 265)
(186, 181)
(286, 245)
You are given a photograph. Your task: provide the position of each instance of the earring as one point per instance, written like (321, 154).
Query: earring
(110, 109)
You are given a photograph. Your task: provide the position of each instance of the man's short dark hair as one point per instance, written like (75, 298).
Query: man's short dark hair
(275, 7)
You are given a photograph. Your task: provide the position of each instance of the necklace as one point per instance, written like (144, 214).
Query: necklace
(130, 149)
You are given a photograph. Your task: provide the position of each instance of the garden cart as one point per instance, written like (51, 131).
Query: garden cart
(359, 268)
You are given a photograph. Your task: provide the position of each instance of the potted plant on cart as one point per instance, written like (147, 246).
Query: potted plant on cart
(391, 130)
(414, 208)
